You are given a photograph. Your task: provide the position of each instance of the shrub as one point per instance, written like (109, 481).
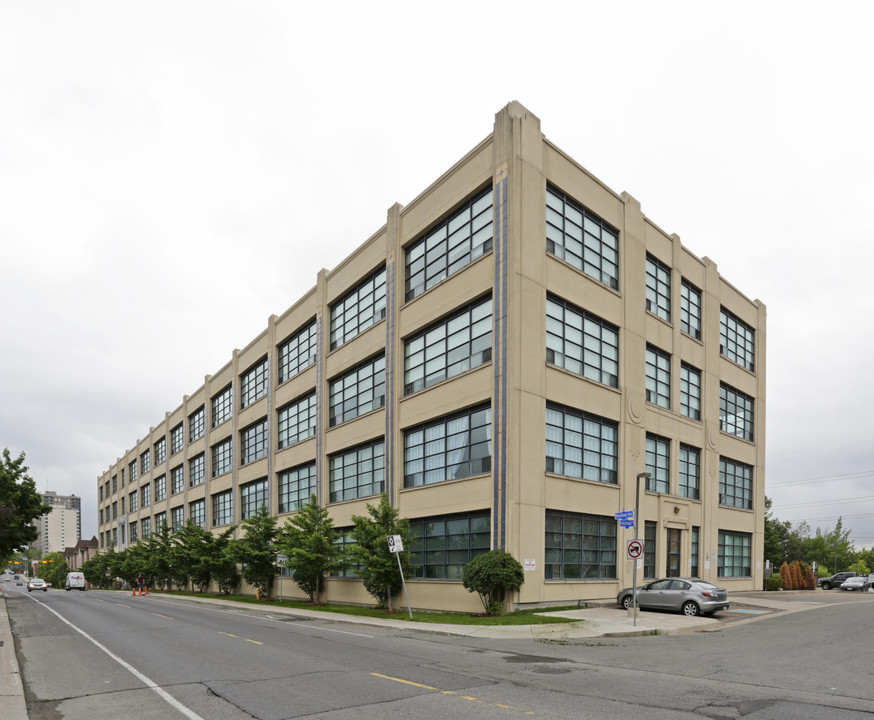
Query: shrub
(775, 582)
(491, 575)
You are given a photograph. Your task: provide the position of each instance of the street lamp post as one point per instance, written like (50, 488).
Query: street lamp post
(645, 476)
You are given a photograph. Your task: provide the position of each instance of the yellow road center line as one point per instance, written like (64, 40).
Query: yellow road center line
(163, 616)
(240, 637)
(449, 692)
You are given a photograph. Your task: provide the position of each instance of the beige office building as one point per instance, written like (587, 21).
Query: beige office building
(504, 358)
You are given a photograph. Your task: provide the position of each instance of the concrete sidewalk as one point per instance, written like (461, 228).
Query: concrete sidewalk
(604, 619)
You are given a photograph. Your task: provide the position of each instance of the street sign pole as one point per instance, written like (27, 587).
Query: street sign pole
(396, 545)
(645, 475)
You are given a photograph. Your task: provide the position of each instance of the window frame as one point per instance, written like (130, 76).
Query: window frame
(658, 377)
(690, 391)
(294, 415)
(298, 352)
(362, 387)
(742, 561)
(365, 304)
(222, 406)
(597, 365)
(575, 251)
(259, 490)
(469, 230)
(292, 483)
(443, 434)
(597, 545)
(368, 478)
(441, 556)
(658, 464)
(585, 449)
(222, 457)
(222, 508)
(658, 288)
(689, 468)
(736, 486)
(741, 407)
(254, 442)
(254, 383)
(737, 340)
(691, 311)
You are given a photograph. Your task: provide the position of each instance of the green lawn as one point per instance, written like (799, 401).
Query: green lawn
(521, 617)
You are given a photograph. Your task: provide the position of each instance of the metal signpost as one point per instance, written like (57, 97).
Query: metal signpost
(396, 546)
(281, 561)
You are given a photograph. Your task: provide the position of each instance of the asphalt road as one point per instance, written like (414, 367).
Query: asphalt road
(108, 655)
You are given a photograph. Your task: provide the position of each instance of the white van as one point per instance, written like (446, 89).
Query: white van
(75, 581)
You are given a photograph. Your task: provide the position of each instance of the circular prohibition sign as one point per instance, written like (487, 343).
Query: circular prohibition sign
(634, 549)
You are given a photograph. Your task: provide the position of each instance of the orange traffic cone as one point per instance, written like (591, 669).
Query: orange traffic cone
(147, 589)
(134, 593)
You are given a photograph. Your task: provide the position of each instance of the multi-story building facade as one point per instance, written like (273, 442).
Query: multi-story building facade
(62, 526)
(503, 358)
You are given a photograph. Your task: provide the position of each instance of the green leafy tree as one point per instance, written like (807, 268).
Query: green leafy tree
(200, 557)
(256, 551)
(20, 505)
(310, 541)
(861, 567)
(491, 575)
(53, 569)
(102, 569)
(378, 567)
(834, 547)
(158, 548)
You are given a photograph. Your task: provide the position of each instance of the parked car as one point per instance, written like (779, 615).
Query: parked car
(74, 581)
(690, 596)
(36, 583)
(827, 583)
(858, 582)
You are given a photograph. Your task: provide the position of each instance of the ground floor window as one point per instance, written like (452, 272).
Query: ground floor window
(735, 554)
(346, 541)
(579, 547)
(693, 565)
(444, 545)
(649, 549)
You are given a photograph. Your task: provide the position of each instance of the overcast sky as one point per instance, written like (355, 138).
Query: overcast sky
(173, 173)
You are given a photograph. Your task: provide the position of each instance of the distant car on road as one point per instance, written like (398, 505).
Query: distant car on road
(859, 582)
(36, 583)
(690, 596)
(827, 583)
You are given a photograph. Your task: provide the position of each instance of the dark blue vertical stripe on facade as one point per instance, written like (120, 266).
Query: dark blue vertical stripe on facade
(504, 313)
(319, 354)
(499, 410)
(389, 379)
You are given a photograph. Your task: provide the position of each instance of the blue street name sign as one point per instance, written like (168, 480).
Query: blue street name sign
(624, 514)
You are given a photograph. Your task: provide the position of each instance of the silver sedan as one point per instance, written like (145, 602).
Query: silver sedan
(690, 596)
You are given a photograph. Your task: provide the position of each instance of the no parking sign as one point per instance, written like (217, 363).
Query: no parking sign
(634, 549)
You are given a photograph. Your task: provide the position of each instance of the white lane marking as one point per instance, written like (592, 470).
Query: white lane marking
(167, 697)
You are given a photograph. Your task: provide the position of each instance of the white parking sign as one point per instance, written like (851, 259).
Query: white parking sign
(395, 544)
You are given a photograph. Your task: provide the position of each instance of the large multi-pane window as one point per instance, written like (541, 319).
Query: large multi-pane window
(253, 442)
(133, 473)
(132, 529)
(581, 238)
(196, 425)
(298, 352)
(449, 347)
(177, 479)
(222, 406)
(146, 462)
(690, 472)
(579, 547)
(346, 542)
(177, 518)
(160, 521)
(735, 554)
(146, 528)
(449, 448)
(658, 464)
(658, 377)
(115, 482)
(177, 439)
(132, 499)
(197, 512)
(581, 343)
(161, 488)
(254, 383)
(690, 309)
(649, 548)
(358, 472)
(223, 508)
(735, 484)
(735, 412)
(581, 445)
(160, 451)
(297, 421)
(444, 545)
(253, 495)
(115, 511)
(358, 310)
(694, 551)
(222, 457)
(737, 340)
(658, 288)
(458, 241)
(358, 391)
(196, 470)
(690, 391)
(295, 487)
(146, 495)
